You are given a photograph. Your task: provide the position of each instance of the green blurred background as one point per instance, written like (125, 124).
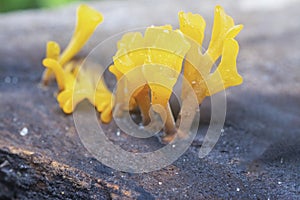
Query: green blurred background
(14, 5)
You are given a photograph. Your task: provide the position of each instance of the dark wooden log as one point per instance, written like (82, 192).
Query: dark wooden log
(257, 156)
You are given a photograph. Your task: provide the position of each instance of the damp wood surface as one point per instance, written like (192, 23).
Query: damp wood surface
(256, 157)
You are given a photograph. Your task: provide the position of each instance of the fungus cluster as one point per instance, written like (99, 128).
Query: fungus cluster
(147, 66)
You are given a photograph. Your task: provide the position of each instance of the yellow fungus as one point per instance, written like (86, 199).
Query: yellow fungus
(156, 60)
(104, 101)
(163, 63)
(198, 65)
(87, 21)
(147, 66)
(67, 71)
(192, 25)
(226, 70)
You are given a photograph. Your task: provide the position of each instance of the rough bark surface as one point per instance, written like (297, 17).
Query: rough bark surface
(257, 156)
